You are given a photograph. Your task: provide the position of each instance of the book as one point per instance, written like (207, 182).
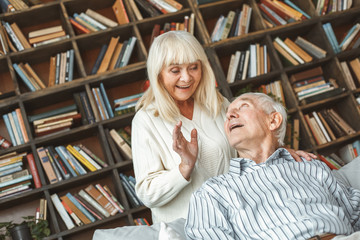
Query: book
(92, 21)
(101, 18)
(101, 199)
(92, 155)
(120, 12)
(81, 108)
(346, 153)
(79, 157)
(52, 113)
(68, 163)
(348, 77)
(87, 157)
(45, 162)
(285, 54)
(115, 56)
(314, 129)
(327, 162)
(78, 27)
(30, 71)
(58, 162)
(113, 147)
(80, 211)
(310, 48)
(13, 178)
(146, 8)
(108, 54)
(100, 106)
(331, 37)
(108, 197)
(341, 122)
(321, 125)
(289, 51)
(45, 31)
(23, 77)
(120, 142)
(306, 74)
(33, 170)
(73, 215)
(99, 58)
(327, 127)
(93, 203)
(62, 211)
(229, 21)
(88, 207)
(24, 42)
(136, 10)
(298, 50)
(354, 66)
(130, 191)
(128, 51)
(46, 37)
(273, 16)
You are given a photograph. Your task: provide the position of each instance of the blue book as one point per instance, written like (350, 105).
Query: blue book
(291, 4)
(102, 103)
(6, 6)
(71, 65)
(352, 29)
(356, 145)
(106, 100)
(54, 112)
(17, 127)
(99, 58)
(24, 78)
(9, 129)
(80, 207)
(130, 105)
(16, 180)
(10, 170)
(75, 162)
(216, 28)
(13, 165)
(97, 100)
(13, 36)
(331, 36)
(124, 100)
(120, 57)
(65, 161)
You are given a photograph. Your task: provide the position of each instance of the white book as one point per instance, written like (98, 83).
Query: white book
(217, 28)
(87, 157)
(15, 131)
(62, 211)
(128, 51)
(246, 65)
(348, 40)
(93, 203)
(231, 66)
(287, 49)
(101, 18)
(235, 66)
(192, 23)
(121, 143)
(253, 70)
(93, 21)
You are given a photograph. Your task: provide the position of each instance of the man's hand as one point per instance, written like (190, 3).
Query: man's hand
(299, 153)
(187, 150)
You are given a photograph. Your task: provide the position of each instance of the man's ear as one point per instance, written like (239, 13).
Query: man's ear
(275, 120)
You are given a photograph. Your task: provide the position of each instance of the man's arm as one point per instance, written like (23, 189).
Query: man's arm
(207, 218)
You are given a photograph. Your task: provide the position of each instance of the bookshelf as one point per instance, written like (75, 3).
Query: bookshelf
(130, 79)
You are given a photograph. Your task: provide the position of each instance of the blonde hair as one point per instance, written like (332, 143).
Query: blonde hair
(178, 47)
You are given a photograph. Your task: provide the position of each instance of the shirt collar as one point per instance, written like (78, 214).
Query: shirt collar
(244, 165)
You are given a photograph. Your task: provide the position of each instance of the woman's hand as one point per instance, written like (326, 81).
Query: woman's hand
(299, 153)
(187, 150)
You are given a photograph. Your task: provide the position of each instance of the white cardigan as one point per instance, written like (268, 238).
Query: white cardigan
(159, 183)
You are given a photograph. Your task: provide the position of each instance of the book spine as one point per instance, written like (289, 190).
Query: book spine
(45, 161)
(78, 156)
(73, 160)
(88, 207)
(128, 51)
(95, 204)
(66, 161)
(80, 207)
(9, 129)
(106, 100)
(101, 199)
(72, 214)
(87, 157)
(99, 59)
(16, 180)
(54, 165)
(13, 36)
(92, 155)
(87, 107)
(22, 125)
(103, 192)
(24, 78)
(33, 170)
(62, 166)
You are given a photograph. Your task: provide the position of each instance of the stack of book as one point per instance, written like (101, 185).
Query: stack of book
(325, 7)
(275, 90)
(46, 35)
(95, 202)
(61, 163)
(141, 221)
(351, 70)
(102, 102)
(153, 8)
(292, 136)
(126, 104)
(249, 63)
(29, 77)
(61, 68)
(52, 121)
(236, 23)
(16, 5)
(327, 125)
(350, 151)
(113, 55)
(14, 178)
(310, 85)
(277, 13)
(15, 126)
(299, 51)
(122, 139)
(128, 183)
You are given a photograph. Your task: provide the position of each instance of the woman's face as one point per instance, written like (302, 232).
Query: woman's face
(181, 80)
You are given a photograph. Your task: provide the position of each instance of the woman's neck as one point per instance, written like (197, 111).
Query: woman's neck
(186, 108)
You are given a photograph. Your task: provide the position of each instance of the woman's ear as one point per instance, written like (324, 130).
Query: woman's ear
(275, 120)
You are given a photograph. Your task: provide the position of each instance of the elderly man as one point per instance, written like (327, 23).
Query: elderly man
(267, 194)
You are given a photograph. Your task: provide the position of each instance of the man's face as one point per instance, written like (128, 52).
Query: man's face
(246, 123)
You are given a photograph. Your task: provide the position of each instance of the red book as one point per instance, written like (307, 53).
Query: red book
(33, 170)
(78, 26)
(330, 165)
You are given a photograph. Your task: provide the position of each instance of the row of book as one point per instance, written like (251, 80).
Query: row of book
(275, 90)
(350, 41)
(236, 23)
(16, 5)
(350, 151)
(93, 203)
(333, 161)
(327, 125)
(114, 54)
(249, 63)
(299, 51)
(126, 104)
(187, 25)
(15, 127)
(330, 6)
(351, 70)
(15, 178)
(292, 136)
(128, 183)
(92, 21)
(153, 8)
(61, 163)
(277, 13)
(310, 85)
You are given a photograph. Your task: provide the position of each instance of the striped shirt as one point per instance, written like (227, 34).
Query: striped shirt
(278, 199)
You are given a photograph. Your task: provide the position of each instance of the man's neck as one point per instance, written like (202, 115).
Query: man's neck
(258, 152)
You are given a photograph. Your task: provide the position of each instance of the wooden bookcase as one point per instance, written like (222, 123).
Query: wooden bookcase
(130, 79)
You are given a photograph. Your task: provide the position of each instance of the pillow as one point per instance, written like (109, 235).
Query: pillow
(349, 174)
(138, 232)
